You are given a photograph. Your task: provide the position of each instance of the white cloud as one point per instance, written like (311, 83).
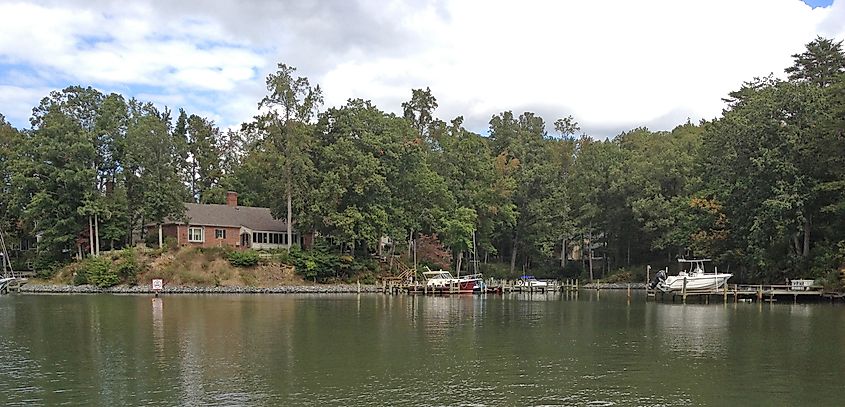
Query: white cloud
(613, 64)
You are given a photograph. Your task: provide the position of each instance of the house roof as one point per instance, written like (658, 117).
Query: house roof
(235, 216)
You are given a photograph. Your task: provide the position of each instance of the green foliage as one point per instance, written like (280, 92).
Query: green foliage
(760, 189)
(46, 264)
(127, 266)
(244, 258)
(98, 271)
(321, 264)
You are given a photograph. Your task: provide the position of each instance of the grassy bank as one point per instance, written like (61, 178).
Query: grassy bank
(213, 267)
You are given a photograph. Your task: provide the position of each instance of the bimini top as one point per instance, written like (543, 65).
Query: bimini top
(693, 260)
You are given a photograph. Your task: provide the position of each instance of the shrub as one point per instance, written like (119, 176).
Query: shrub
(317, 264)
(97, 271)
(622, 276)
(127, 267)
(46, 266)
(246, 258)
(213, 253)
(170, 243)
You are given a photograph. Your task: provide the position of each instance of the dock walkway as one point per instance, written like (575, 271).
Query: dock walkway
(745, 292)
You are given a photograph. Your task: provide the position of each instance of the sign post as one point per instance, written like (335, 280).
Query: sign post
(158, 285)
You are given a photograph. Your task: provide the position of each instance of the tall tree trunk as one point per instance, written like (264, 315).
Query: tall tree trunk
(290, 217)
(90, 235)
(96, 234)
(806, 251)
(513, 255)
(458, 262)
(563, 253)
(590, 250)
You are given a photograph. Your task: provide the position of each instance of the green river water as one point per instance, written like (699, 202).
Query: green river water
(351, 350)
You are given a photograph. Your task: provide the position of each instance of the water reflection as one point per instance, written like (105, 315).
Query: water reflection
(518, 349)
(158, 329)
(699, 330)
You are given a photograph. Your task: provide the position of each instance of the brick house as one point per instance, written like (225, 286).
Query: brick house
(210, 225)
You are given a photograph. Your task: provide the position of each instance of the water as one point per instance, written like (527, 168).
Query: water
(546, 349)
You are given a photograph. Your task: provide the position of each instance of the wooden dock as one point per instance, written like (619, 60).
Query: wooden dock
(744, 293)
(491, 286)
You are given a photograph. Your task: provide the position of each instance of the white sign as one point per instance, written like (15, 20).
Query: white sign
(158, 284)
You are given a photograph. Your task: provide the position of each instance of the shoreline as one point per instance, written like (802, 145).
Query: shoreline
(613, 286)
(123, 289)
(282, 289)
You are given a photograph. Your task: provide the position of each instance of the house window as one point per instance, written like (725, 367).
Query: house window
(196, 235)
(219, 233)
(259, 237)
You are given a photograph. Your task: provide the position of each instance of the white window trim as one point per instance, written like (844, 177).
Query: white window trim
(202, 234)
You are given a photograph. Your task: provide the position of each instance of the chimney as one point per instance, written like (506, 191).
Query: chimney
(231, 198)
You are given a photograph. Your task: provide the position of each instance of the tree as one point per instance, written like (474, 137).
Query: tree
(419, 110)
(205, 157)
(55, 171)
(770, 189)
(522, 142)
(458, 232)
(291, 102)
(154, 188)
(10, 142)
(821, 63)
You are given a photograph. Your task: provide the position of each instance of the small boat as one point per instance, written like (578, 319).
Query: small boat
(442, 281)
(530, 281)
(695, 278)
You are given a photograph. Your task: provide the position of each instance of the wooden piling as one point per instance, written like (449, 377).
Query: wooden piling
(684, 290)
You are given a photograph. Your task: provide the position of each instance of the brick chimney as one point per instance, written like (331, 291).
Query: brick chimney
(231, 198)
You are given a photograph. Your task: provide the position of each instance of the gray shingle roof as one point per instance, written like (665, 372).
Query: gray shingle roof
(235, 216)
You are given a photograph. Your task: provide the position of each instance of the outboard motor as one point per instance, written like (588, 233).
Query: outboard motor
(658, 279)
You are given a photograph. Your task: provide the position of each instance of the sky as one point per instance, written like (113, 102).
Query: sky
(613, 65)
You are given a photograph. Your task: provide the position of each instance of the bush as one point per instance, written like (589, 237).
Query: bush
(97, 271)
(127, 267)
(317, 264)
(46, 266)
(170, 243)
(246, 258)
(213, 253)
(621, 276)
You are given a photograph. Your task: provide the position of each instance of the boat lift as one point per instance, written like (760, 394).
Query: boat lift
(9, 279)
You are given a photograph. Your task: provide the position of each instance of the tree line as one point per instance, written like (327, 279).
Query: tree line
(760, 189)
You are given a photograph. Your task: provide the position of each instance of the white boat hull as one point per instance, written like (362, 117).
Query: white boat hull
(695, 283)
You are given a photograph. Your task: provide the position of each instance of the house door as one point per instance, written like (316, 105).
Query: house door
(246, 240)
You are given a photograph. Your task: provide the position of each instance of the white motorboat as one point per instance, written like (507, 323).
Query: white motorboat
(530, 281)
(443, 281)
(696, 278)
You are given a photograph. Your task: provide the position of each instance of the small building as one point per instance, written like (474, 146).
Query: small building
(210, 225)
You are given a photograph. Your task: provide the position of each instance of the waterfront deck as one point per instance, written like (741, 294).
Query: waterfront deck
(395, 286)
(746, 293)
